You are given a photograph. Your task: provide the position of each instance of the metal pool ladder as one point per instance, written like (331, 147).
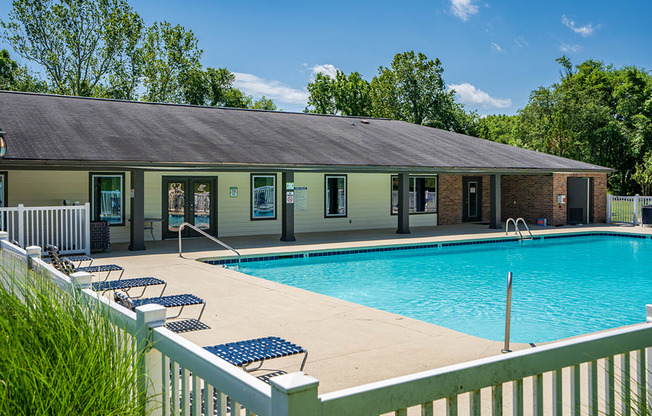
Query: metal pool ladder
(516, 229)
(210, 237)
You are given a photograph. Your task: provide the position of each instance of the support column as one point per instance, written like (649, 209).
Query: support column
(287, 214)
(494, 211)
(403, 203)
(137, 229)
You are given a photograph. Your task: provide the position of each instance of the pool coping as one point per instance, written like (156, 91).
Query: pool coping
(230, 260)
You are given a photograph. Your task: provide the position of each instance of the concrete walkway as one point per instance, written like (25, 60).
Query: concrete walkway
(348, 344)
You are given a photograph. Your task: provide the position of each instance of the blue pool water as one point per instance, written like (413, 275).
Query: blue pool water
(562, 287)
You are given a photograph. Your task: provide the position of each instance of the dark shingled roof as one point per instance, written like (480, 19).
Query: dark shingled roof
(72, 130)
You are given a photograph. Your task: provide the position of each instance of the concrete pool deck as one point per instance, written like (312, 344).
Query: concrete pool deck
(348, 344)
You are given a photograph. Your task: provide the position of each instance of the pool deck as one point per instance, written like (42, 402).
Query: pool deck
(348, 344)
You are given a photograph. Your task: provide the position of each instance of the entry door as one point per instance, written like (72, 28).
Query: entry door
(472, 199)
(578, 200)
(191, 200)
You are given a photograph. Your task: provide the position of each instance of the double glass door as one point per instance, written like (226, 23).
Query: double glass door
(191, 200)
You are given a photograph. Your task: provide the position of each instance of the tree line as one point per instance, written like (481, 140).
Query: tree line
(102, 48)
(595, 113)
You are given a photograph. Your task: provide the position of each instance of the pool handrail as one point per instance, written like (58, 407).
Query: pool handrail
(210, 237)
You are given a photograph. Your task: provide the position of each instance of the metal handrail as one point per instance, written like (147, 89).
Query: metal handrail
(210, 237)
(526, 227)
(516, 230)
(508, 313)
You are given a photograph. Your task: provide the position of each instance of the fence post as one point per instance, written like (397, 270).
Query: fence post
(32, 251)
(21, 224)
(609, 207)
(81, 280)
(295, 394)
(87, 228)
(635, 216)
(150, 383)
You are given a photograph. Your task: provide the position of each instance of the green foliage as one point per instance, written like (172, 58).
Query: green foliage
(595, 113)
(171, 64)
(264, 104)
(78, 43)
(322, 98)
(60, 355)
(643, 174)
(14, 77)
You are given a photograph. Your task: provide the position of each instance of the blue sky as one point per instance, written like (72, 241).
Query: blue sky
(493, 53)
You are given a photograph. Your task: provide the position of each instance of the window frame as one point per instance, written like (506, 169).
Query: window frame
(4, 175)
(415, 177)
(91, 199)
(251, 196)
(346, 196)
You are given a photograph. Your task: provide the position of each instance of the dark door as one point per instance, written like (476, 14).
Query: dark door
(472, 199)
(578, 200)
(192, 200)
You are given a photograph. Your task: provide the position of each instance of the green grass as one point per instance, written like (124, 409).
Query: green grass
(59, 355)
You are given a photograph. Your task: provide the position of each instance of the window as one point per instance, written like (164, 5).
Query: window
(423, 194)
(3, 189)
(107, 197)
(263, 197)
(335, 197)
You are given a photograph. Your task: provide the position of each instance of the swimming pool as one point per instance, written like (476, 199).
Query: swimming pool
(562, 286)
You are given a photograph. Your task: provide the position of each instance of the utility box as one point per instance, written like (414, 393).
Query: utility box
(646, 216)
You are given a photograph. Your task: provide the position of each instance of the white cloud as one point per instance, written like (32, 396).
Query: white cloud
(566, 47)
(256, 86)
(586, 30)
(326, 69)
(464, 8)
(521, 42)
(468, 94)
(496, 47)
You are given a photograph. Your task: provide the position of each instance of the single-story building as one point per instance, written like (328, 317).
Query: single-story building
(249, 172)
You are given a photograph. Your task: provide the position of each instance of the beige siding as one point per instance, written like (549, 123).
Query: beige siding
(368, 201)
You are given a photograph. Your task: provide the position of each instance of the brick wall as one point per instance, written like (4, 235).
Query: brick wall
(560, 181)
(527, 196)
(450, 199)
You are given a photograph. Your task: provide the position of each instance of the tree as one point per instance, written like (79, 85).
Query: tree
(321, 99)
(351, 94)
(79, 44)
(264, 104)
(14, 77)
(413, 90)
(643, 174)
(171, 68)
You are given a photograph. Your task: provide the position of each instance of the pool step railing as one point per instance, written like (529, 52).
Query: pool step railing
(516, 229)
(210, 237)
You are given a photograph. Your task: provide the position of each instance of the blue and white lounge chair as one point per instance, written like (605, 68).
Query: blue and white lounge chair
(65, 265)
(126, 284)
(244, 353)
(171, 301)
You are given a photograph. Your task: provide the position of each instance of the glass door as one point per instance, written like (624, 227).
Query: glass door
(191, 200)
(472, 199)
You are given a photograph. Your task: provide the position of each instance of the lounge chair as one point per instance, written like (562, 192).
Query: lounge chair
(75, 258)
(66, 266)
(171, 301)
(244, 353)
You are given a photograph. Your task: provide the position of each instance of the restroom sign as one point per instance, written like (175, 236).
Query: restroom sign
(289, 197)
(289, 186)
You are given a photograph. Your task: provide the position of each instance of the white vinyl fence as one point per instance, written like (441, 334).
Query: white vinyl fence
(626, 209)
(67, 227)
(606, 373)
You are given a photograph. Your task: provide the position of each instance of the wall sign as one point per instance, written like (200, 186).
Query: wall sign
(289, 197)
(301, 198)
(289, 186)
(233, 191)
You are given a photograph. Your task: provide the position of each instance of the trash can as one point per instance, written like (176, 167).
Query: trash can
(646, 216)
(100, 236)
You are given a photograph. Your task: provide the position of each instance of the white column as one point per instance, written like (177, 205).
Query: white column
(87, 228)
(635, 220)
